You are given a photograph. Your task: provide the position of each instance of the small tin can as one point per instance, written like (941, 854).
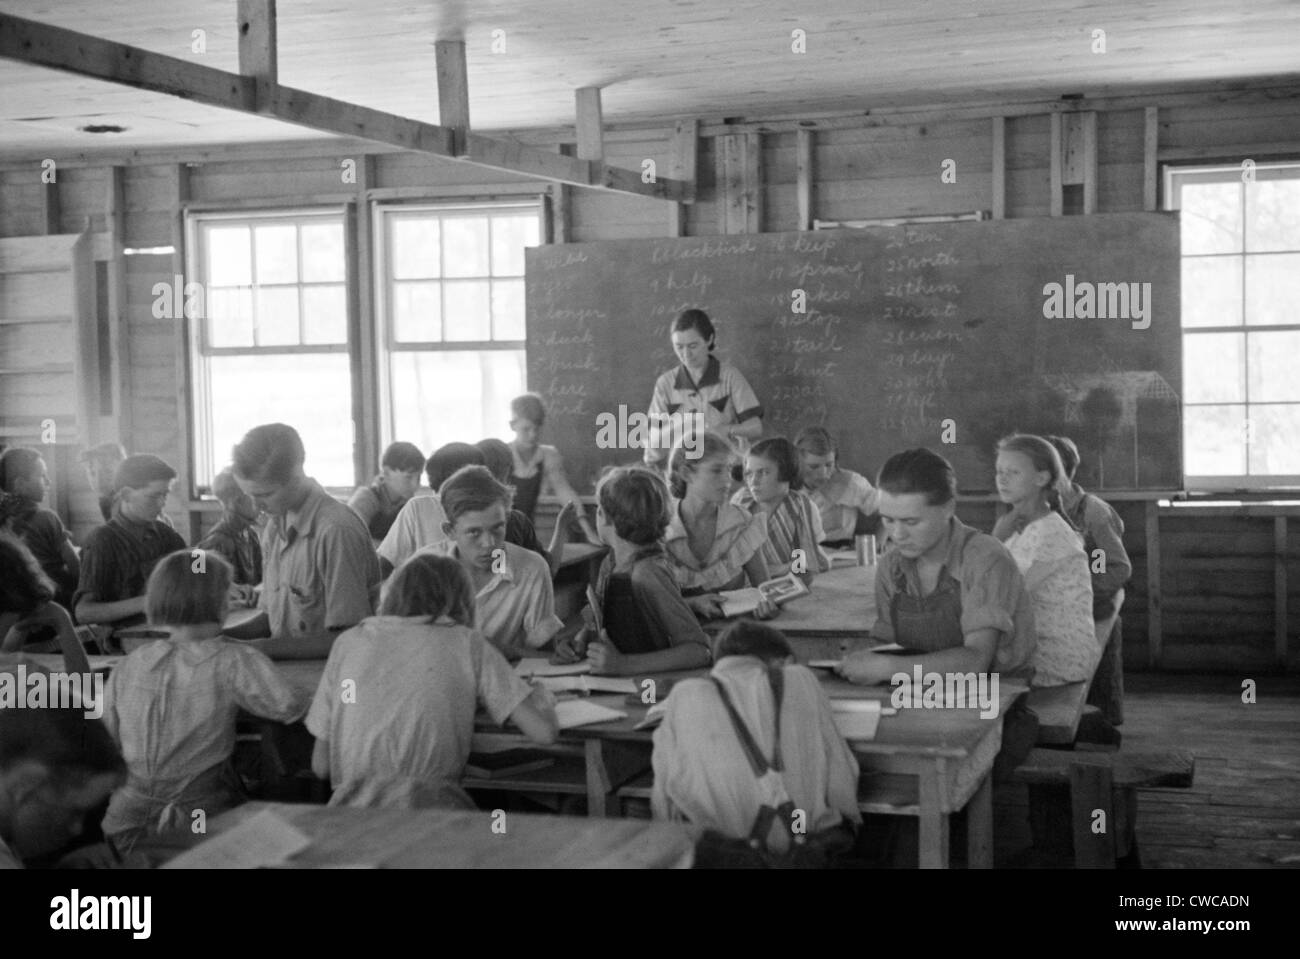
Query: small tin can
(866, 549)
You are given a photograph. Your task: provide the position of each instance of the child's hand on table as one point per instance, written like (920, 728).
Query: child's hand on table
(867, 668)
(766, 609)
(572, 649)
(708, 606)
(604, 656)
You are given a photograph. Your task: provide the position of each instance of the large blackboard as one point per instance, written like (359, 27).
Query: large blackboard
(904, 328)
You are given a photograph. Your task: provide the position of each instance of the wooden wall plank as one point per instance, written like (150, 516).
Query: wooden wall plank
(804, 174)
(1055, 172)
(999, 173)
(453, 87)
(1150, 159)
(1089, 124)
(1280, 590)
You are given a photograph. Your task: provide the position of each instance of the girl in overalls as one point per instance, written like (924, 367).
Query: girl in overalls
(171, 704)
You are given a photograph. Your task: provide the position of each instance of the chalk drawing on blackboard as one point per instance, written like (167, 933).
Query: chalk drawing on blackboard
(1104, 408)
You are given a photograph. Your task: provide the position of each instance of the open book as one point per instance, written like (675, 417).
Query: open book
(736, 602)
(588, 685)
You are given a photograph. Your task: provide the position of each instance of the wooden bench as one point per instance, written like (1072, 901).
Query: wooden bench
(1059, 710)
(1099, 784)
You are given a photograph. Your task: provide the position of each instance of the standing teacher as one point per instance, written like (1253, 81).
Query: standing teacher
(717, 392)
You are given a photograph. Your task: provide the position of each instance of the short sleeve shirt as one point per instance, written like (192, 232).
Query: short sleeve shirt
(118, 558)
(515, 610)
(721, 397)
(993, 594)
(739, 536)
(403, 734)
(666, 618)
(319, 568)
(840, 499)
(418, 526)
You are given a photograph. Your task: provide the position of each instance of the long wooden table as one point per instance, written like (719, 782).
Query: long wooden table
(456, 839)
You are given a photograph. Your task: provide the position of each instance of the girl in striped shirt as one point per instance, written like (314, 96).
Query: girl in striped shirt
(794, 526)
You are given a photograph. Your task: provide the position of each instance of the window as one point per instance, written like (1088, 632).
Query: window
(451, 303)
(272, 343)
(1241, 323)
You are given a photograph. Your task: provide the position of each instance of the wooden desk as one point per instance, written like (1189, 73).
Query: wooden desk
(837, 614)
(455, 839)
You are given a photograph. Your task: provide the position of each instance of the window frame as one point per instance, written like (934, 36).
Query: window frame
(386, 346)
(199, 414)
(1174, 177)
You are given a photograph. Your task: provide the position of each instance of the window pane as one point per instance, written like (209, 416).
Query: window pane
(1211, 217)
(1273, 288)
(444, 397)
(465, 245)
(312, 392)
(230, 316)
(229, 256)
(322, 253)
(324, 314)
(277, 316)
(1211, 294)
(417, 312)
(1212, 368)
(1273, 446)
(507, 309)
(510, 234)
(1274, 367)
(1272, 222)
(415, 247)
(277, 254)
(1214, 438)
(468, 310)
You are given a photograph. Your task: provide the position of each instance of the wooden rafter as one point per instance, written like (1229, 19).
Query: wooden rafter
(40, 44)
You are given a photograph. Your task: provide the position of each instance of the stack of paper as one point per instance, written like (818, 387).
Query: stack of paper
(856, 718)
(582, 712)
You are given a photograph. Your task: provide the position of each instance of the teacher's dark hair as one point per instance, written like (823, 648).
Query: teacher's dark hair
(698, 321)
(919, 471)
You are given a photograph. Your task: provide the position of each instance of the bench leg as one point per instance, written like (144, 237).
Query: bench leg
(1091, 808)
(979, 826)
(933, 824)
(598, 784)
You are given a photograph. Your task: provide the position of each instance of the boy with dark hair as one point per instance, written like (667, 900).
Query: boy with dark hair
(399, 479)
(119, 556)
(319, 573)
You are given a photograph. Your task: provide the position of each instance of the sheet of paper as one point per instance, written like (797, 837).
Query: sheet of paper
(824, 663)
(587, 684)
(539, 666)
(263, 839)
(582, 712)
(856, 718)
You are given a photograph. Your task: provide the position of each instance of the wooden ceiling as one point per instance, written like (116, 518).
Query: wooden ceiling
(653, 59)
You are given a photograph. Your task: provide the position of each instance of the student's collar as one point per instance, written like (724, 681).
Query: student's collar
(957, 533)
(303, 519)
(711, 376)
(506, 574)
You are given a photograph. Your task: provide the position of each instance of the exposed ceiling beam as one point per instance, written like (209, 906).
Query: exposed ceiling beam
(28, 41)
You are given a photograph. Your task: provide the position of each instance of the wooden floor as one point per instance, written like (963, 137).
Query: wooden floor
(1244, 809)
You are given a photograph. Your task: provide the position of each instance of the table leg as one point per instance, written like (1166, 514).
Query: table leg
(598, 784)
(979, 826)
(933, 826)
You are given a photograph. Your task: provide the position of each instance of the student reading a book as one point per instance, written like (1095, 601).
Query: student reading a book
(235, 536)
(119, 556)
(951, 596)
(319, 571)
(399, 478)
(847, 502)
(794, 527)
(23, 474)
(1102, 530)
(701, 772)
(1049, 551)
(56, 767)
(648, 627)
(715, 395)
(514, 599)
(420, 671)
(711, 544)
(535, 465)
(171, 704)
